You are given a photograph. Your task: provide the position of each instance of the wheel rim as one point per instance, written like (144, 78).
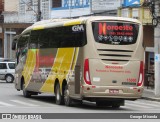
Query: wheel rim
(66, 96)
(9, 79)
(24, 93)
(57, 95)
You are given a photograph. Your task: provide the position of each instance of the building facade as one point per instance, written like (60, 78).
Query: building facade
(11, 26)
(156, 23)
(1, 21)
(70, 8)
(19, 14)
(141, 10)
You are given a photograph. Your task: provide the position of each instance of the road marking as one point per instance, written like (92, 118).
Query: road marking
(136, 105)
(147, 104)
(5, 104)
(23, 103)
(150, 102)
(43, 102)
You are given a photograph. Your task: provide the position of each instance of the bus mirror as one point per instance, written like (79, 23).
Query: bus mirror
(13, 45)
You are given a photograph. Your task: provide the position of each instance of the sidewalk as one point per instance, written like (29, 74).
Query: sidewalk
(148, 94)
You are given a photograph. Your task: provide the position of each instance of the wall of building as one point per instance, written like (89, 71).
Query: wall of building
(70, 8)
(1, 21)
(1, 45)
(148, 37)
(14, 23)
(70, 13)
(142, 13)
(1, 5)
(11, 5)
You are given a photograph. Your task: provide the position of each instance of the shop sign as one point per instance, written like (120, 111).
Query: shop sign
(157, 57)
(131, 3)
(105, 5)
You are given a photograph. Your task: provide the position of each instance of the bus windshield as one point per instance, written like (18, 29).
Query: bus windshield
(115, 33)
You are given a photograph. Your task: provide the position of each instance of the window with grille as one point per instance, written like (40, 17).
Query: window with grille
(56, 3)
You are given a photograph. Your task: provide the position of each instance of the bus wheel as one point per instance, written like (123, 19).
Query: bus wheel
(67, 99)
(26, 93)
(59, 98)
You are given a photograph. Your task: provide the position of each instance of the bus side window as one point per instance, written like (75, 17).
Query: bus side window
(58, 37)
(23, 56)
(43, 38)
(22, 46)
(18, 55)
(53, 41)
(34, 39)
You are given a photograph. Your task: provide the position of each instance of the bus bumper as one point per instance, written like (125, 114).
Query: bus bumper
(107, 92)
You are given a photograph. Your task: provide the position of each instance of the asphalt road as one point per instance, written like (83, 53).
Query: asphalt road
(12, 101)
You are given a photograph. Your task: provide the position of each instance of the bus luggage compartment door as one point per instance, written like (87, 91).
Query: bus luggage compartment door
(102, 74)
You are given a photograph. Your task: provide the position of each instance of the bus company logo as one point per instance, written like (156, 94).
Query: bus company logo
(78, 28)
(103, 28)
(113, 67)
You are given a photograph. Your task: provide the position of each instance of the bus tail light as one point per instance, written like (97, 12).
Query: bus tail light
(86, 72)
(141, 74)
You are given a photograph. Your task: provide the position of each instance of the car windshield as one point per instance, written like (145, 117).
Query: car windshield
(11, 65)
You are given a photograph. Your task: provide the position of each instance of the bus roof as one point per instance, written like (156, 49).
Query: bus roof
(67, 22)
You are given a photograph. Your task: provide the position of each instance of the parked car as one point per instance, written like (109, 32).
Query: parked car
(7, 70)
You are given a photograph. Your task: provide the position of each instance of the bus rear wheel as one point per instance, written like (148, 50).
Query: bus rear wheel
(26, 93)
(67, 99)
(58, 96)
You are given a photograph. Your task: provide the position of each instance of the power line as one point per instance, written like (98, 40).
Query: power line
(38, 13)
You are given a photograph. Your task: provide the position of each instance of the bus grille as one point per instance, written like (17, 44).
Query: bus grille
(115, 55)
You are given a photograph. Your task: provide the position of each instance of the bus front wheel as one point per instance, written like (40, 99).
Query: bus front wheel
(26, 93)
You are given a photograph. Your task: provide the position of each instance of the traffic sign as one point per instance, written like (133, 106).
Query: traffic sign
(157, 57)
(131, 3)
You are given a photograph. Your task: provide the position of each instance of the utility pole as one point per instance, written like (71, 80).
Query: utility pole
(157, 52)
(39, 11)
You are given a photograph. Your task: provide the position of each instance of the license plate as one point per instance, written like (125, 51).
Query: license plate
(113, 91)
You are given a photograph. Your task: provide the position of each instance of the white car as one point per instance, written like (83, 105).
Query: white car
(7, 70)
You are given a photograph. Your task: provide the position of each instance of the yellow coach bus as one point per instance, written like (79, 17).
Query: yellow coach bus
(98, 59)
